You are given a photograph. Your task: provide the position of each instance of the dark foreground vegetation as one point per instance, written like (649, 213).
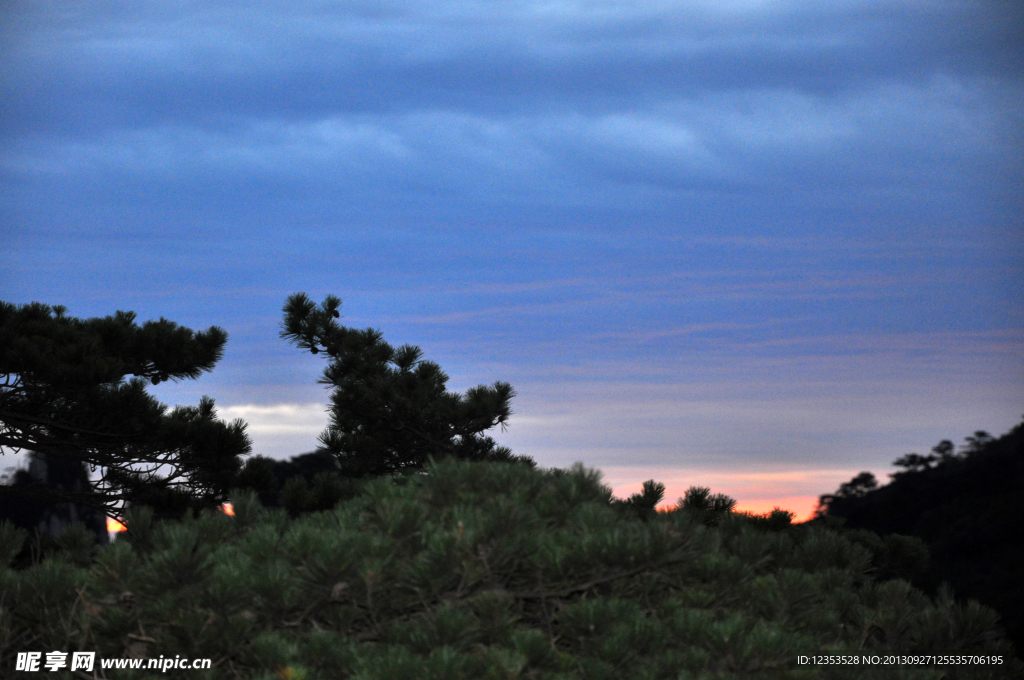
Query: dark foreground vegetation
(74, 391)
(967, 505)
(485, 570)
(411, 545)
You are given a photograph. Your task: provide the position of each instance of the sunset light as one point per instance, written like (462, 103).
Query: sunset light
(606, 339)
(116, 527)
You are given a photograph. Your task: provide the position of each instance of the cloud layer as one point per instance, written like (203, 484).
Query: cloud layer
(695, 236)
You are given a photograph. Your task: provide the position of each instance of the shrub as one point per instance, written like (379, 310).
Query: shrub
(484, 570)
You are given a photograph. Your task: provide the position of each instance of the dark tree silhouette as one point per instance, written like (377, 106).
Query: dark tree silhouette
(47, 520)
(65, 392)
(710, 507)
(855, 488)
(305, 483)
(967, 506)
(390, 409)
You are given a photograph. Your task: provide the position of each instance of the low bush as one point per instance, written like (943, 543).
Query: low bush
(486, 570)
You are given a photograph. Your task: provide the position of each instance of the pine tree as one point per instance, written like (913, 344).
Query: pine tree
(966, 506)
(390, 409)
(47, 520)
(486, 571)
(75, 389)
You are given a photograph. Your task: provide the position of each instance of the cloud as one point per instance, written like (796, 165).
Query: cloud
(280, 430)
(385, 55)
(763, 414)
(715, 232)
(889, 139)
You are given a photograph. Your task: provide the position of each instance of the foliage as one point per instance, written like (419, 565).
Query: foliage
(967, 507)
(484, 570)
(64, 394)
(862, 484)
(709, 508)
(644, 503)
(47, 519)
(390, 409)
(309, 482)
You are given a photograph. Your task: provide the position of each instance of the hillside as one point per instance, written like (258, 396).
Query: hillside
(968, 507)
(483, 570)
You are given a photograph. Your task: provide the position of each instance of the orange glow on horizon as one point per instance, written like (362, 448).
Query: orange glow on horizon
(801, 506)
(756, 492)
(116, 527)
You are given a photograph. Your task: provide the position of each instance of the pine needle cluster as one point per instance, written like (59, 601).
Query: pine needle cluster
(485, 570)
(75, 390)
(390, 409)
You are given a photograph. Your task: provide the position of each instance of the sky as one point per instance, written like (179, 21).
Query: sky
(753, 245)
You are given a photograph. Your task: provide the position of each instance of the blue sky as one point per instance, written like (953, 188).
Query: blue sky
(755, 245)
